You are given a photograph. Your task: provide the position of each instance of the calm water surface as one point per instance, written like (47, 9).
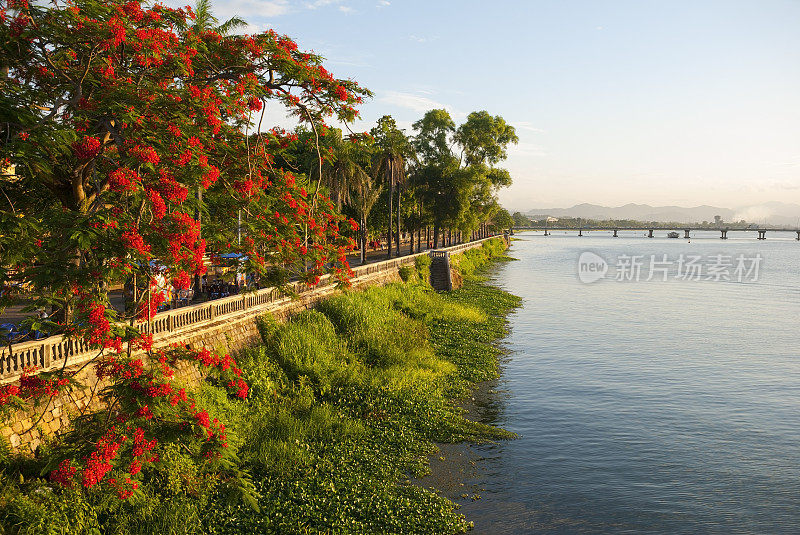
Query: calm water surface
(644, 407)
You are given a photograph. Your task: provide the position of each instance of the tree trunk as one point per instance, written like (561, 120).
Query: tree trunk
(391, 196)
(435, 235)
(399, 193)
(198, 216)
(363, 240)
(411, 235)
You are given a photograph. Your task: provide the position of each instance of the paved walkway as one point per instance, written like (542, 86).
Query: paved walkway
(15, 314)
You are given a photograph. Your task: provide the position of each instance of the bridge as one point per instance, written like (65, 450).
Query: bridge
(762, 232)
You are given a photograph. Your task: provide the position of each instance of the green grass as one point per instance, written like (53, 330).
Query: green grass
(346, 404)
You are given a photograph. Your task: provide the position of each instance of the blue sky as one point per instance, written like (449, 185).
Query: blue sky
(660, 102)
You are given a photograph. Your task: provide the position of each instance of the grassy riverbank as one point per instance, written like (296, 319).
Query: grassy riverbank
(347, 402)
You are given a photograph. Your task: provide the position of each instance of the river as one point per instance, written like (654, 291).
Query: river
(643, 406)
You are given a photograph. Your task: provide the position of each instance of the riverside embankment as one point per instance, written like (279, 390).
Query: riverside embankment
(347, 402)
(227, 324)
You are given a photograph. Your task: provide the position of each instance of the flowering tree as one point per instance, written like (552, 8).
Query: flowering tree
(121, 127)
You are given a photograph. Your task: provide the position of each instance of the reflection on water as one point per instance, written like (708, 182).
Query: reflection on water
(643, 407)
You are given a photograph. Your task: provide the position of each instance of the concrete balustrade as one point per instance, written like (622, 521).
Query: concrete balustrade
(174, 326)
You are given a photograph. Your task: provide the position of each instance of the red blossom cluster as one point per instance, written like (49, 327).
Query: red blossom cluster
(131, 239)
(32, 387)
(99, 462)
(170, 189)
(181, 280)
(157, 204)
(87, 148)
(123, 179)
(145, 154)
(149, 307)
(7, 392)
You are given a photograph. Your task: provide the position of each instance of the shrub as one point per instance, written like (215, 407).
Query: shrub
(422, 264)
(406, 272)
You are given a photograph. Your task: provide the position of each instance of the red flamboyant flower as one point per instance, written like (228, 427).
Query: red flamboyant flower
(133, 240)
(6, 392)
(202, 419)
(145, 154)
(64, 474)
(210, 177)
(87, 148)
(181, 280)
(254, 104)
(123, 179)
(157, 203)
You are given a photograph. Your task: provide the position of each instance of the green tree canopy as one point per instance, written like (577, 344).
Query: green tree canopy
(484, 138)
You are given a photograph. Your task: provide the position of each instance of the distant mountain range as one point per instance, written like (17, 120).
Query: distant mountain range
(773, 213)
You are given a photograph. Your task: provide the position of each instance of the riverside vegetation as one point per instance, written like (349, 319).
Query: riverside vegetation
(347, 402)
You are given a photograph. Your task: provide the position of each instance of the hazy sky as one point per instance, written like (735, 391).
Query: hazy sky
(646, 101)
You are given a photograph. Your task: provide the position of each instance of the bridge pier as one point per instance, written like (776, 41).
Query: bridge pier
(615, 234)
(650, 233)
(762, 234)
(724, 234)
(686, 231)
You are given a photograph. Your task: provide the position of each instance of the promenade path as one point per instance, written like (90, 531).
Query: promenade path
(15, 314)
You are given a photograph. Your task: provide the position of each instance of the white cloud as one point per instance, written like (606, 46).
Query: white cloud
(252, 29)
(411, 101)
(419, 39)
(242, 8)
(384, 3)
(525, 125)
(345, 9)
(322, 3)
(526, 149)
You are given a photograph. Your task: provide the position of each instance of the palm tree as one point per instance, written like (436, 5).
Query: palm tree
(390, 160)
(391, 165)
(348, 182)
(338, 172)
(365, 191)
(205, 20)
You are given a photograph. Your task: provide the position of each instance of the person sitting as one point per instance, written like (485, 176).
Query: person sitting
(214, 290)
